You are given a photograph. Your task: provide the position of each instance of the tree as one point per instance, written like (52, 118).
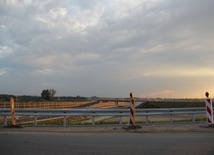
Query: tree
(48, 94)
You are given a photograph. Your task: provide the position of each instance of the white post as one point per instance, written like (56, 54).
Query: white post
(35, 120)
(120, 120)
(5, 120)
(193, 117)
(171, 120)
(64, 121)
(93, 120)
(147, 119)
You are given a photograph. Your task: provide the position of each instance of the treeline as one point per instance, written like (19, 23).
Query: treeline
(6, 97)
(70, 98)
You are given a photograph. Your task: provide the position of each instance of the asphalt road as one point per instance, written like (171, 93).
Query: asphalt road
(53, 143)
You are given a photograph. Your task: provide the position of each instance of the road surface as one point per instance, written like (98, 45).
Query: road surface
(125, 143)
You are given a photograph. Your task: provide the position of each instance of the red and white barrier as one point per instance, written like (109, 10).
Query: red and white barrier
(12, 109)
(132, 110)
(209, 109)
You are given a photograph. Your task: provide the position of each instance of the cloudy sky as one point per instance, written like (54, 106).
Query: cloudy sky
(107, 48)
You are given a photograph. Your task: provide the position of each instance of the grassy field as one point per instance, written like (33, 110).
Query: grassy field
(172, 104)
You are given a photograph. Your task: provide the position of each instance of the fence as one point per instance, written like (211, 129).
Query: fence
(62, 104)
(5, 112)
(46, 105)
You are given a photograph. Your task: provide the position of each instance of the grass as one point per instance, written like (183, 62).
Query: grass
(171, 104)
(88, 120)
(60, 122)
(12, 126)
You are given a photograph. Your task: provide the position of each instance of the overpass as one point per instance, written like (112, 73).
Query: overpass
(120, 99)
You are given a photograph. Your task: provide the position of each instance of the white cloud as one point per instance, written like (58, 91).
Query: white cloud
(5, 51)
(182, 72)
(2, 71)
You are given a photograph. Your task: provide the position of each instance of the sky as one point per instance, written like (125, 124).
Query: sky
(108, 48)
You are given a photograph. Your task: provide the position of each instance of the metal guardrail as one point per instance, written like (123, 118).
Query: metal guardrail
(101, 112)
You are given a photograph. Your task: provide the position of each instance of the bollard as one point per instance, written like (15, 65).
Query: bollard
(132, 115)
(132, 110)
(12, 110)
(209, 109)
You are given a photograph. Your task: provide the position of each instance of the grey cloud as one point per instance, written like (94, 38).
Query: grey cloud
(108, 45)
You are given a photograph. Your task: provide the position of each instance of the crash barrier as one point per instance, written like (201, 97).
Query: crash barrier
(100, 112)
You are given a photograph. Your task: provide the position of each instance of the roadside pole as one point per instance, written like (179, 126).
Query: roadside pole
(132, 115)
(132, 110)
(12, 110)
(209, 109)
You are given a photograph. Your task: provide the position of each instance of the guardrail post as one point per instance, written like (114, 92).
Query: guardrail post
(64, 121)
(93, 120)
(171, 119)
(120, 120)
(147, 120)
(35, 120)
(5, 120)
(193, 117)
